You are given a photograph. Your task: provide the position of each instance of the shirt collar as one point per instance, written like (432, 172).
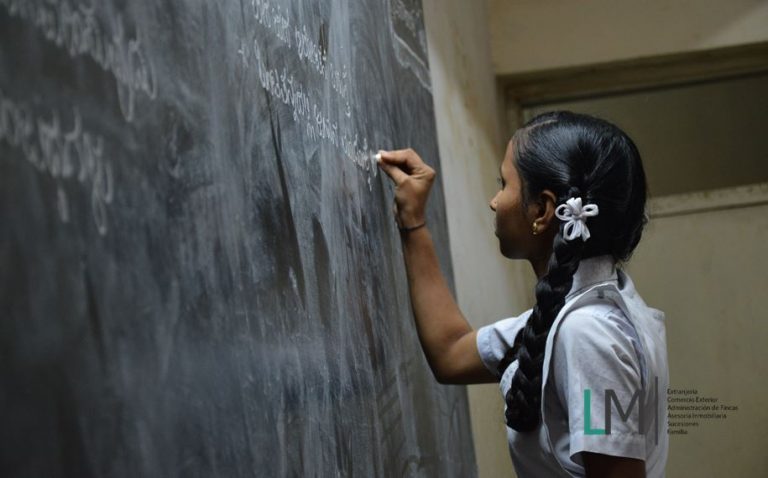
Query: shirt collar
(591, 271)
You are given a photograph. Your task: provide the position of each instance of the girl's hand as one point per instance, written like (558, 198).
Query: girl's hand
(413, 179)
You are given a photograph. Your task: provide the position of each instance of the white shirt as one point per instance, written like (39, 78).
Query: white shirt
(605, 340)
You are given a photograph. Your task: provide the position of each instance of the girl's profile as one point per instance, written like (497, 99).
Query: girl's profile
(583, 373)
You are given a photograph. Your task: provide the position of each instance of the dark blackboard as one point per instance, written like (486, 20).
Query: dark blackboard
(200, 273)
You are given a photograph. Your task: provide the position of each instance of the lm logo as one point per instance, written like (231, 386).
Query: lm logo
(610, 399)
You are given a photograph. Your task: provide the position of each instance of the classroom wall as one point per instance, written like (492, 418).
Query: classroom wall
(489, 287)
(691, 137)
(530, 35)
(705, 270)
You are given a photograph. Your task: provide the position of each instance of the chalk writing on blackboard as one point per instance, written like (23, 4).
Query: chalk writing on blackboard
(405, 20)
(62, 153)
(281, 84)
(76, 29)
(272, 18)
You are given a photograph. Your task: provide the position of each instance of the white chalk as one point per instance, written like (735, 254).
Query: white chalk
(377, 156)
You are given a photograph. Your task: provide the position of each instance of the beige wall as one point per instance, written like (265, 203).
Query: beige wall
(529, 35)
(489, 287)
(685, 133)
(705, 270)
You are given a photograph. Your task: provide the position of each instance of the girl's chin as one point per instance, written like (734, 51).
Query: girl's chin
(507, 251)
(502, 249)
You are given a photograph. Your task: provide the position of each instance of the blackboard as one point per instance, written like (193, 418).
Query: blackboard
(200, 273)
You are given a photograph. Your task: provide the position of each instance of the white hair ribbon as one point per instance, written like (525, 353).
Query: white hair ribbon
(576, 218)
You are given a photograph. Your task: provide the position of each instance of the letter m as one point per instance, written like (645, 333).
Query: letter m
(610, 396)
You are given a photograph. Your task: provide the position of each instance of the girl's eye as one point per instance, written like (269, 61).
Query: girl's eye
(500, 182)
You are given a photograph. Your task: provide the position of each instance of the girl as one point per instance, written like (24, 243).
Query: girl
(583, 373)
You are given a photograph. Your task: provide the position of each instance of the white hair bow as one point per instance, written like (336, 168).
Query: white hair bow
(576, 217)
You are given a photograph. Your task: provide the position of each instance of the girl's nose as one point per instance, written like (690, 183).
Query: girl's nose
(492, 204)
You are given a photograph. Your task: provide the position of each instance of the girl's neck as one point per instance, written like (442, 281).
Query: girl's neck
(540, 264)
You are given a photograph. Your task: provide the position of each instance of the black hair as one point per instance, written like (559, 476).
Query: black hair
(572, 155)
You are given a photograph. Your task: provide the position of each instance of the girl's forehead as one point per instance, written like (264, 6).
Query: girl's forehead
(509, 160)
(510, 147)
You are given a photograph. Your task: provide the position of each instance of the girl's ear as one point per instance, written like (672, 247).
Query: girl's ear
(545, 209)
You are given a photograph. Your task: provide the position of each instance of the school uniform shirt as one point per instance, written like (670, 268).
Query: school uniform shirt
(606, 352)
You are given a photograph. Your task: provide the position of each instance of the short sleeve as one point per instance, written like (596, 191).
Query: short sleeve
(495, 340)
(597, 367)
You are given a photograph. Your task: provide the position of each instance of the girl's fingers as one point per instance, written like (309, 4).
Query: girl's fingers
(404, 163)
(402, 157)
(393, 171)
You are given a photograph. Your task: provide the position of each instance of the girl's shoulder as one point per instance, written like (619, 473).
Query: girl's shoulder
(597, 340)
(599, 324)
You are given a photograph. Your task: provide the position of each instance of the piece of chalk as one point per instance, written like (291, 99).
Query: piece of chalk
(377, 156)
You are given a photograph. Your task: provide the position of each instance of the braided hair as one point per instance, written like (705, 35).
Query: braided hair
(572, 155)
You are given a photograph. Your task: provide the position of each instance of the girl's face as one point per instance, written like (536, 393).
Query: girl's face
(513, 226)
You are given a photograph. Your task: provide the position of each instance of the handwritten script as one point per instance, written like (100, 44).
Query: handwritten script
(76, 29)
(64, 154)
(281, 84)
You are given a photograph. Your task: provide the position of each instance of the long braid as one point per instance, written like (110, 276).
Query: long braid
(523, 398)
(571, 155)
